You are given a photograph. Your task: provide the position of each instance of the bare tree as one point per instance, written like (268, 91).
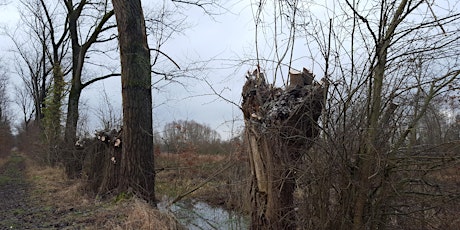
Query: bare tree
(376, 149)
(179, 136)
(4, 101)
(99, 14)
(33, 68)
(58, 40)
(32, 61)
(49, 58)
(25, 103)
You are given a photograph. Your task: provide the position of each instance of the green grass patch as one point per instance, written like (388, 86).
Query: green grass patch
(122, 197)
(16, 159)
(4, 180)
(11, 170)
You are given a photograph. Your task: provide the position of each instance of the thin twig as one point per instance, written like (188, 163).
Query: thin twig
(181, 196)
(220, 96)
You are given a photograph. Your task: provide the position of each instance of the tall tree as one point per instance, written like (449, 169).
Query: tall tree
(31, 66)
(58, 40)
(80, 51)
(137, 168)
(79, 54)
(43, 54)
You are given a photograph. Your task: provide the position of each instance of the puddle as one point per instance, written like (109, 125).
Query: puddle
(199, 215)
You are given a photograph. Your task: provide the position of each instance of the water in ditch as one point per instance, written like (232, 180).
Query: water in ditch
(199, 215)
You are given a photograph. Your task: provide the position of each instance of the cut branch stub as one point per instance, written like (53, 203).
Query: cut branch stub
(110, 137)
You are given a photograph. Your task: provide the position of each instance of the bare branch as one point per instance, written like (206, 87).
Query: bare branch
(164, 54)
(99, 78)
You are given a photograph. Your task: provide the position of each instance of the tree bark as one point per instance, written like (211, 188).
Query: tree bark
(137, 168)
(280, 126)
(71, 160)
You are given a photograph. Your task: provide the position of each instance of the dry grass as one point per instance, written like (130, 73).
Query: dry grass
(182, 172)
(3, 160)
(141, 216)
(55, 187)
(67, 200)
(218, 180)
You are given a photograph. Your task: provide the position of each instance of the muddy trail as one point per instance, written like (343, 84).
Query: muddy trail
(21, 207)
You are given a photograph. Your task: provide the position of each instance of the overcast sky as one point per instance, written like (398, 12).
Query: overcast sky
(218, 43)
(220, 37)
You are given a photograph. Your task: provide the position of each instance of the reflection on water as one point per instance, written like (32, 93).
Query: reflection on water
(199, 215)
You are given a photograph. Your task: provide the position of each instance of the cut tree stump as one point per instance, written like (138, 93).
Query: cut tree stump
(102, 169)
(280, 126)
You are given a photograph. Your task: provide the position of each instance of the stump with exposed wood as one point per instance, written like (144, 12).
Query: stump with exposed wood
(280, 126)
(102, 169)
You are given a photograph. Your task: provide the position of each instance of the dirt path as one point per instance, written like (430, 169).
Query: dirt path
(19, 209)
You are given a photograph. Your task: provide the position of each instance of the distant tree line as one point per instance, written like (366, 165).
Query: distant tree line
(189, 135)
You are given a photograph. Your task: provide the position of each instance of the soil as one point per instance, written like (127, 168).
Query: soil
(21, 207)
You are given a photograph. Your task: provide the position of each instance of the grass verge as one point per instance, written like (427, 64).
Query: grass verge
(72, 209)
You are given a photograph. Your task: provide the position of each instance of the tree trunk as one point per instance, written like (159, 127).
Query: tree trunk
(72, 162)
(137, 168)
(77, 66)
(79, 52)
(56, 102)
(52, 112)
(370, 154)
(280, 126)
